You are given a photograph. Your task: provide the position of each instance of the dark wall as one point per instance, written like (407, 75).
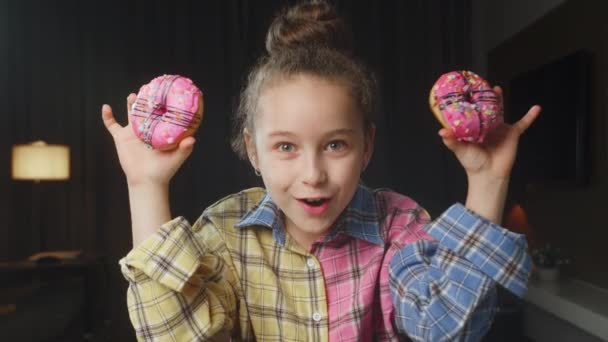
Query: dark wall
(61, 60)
(571, 216)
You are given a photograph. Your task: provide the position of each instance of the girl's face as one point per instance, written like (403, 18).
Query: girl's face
(310, 146)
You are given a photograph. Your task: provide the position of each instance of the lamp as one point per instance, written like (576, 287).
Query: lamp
(517, 221)
(37, 162)
(40, 161)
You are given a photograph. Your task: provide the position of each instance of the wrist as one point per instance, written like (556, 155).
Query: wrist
(149, 204)
(486, 196)
(146, 184)
(150, 187)
(487, 182)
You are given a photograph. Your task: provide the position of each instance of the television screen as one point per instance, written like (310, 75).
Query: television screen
(555, 148)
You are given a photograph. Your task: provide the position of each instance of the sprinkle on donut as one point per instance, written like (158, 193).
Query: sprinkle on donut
(465, 103)
(167, 110)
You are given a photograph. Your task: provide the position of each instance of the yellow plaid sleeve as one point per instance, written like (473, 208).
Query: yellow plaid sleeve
(182, 286)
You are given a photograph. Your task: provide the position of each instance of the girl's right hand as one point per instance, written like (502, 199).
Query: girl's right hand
(143, 165)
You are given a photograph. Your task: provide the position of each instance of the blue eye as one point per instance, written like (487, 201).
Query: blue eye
(286, 147)
(337, 145)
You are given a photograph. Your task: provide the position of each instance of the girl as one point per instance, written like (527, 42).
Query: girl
(315, 256)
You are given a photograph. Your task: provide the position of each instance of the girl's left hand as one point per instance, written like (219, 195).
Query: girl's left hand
(493, 159)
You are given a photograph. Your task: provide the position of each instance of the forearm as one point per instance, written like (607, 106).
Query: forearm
(149, 210)
(451, 279)
(181, 289)
(486, 197)
(433, 301)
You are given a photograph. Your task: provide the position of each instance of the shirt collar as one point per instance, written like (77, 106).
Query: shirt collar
(359, 219)
(266, 214)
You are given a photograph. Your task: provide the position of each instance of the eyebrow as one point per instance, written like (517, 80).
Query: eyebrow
(343, 131)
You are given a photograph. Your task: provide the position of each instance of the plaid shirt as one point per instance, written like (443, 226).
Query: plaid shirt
(383, 272)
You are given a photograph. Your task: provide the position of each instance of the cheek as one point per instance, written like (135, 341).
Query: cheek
(352, 171)
(276, 173)
(345, 170)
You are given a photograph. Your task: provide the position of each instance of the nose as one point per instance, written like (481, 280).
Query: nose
(314, 171)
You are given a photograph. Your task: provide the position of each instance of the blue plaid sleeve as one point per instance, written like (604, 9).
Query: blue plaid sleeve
(500, 254)
(444, 290)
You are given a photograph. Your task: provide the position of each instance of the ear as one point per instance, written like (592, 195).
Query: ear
(369, 146)
(251, 151)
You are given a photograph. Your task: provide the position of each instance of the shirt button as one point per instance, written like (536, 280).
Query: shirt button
(316, 316)
(310, 262)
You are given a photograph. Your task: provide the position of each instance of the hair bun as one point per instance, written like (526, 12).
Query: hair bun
(309, 24)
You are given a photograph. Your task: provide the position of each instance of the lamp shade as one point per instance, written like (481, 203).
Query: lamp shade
(41, 161)
(517, 221)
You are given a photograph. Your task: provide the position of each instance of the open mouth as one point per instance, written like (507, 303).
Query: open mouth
(315, 206)
(316, 202)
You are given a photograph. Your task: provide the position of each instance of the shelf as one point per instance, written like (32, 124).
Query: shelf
(574, 301)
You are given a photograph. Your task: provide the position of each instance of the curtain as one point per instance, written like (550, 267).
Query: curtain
(61, 60)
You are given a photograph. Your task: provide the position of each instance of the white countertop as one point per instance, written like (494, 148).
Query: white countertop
(580, 303)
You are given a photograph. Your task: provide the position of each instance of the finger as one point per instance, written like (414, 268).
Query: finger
(498, 91)
(525, 122)
(109, 121)
(450, 141)
(130, 101)
(445, 133)
(184, 148)
(187, 143)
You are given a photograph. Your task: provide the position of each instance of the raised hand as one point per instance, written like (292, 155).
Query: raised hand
(143, 165)
(494, 158)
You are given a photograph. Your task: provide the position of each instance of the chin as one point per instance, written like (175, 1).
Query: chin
(315, 226)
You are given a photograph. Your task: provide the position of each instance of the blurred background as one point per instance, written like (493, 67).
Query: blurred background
(66, 225)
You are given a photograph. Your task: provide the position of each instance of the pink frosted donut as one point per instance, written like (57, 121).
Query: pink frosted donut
(465, 103)
(167, 110)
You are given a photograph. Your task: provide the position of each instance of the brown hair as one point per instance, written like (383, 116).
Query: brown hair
(308, 38)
